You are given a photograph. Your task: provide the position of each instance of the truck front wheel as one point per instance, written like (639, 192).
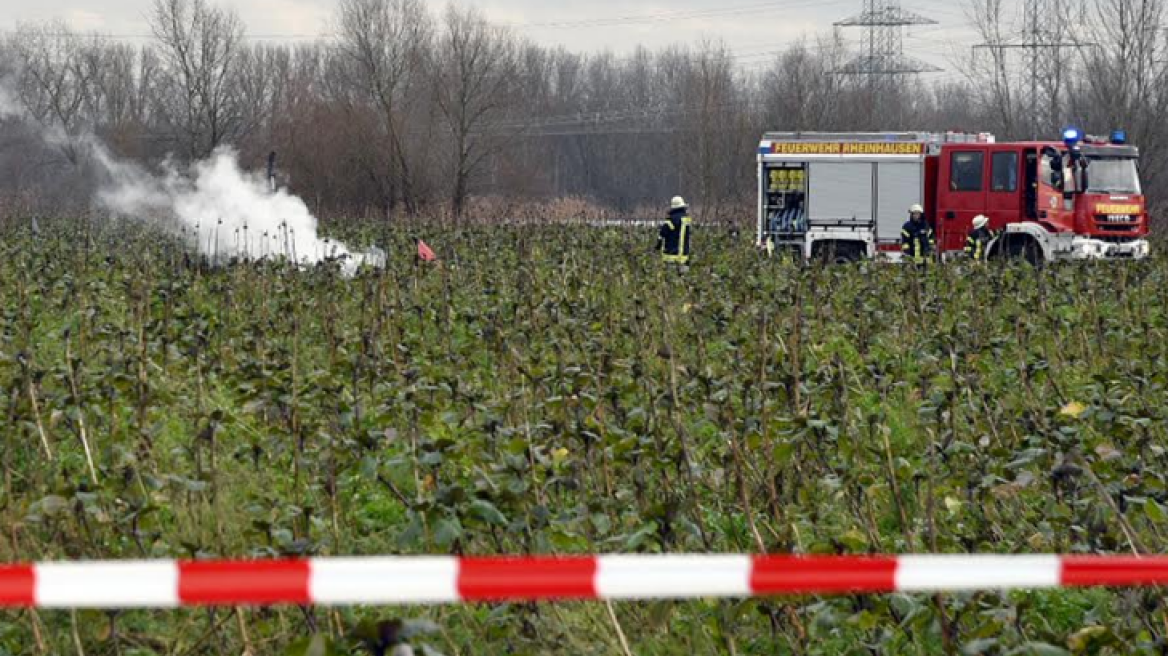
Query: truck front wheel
(1020, 247)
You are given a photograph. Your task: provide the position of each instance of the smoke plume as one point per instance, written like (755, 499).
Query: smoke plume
(218, 208)
(224, 211)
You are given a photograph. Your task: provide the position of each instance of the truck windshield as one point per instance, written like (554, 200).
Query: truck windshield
(1113, 175)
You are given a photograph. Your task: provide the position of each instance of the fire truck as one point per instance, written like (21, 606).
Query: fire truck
(845, 196)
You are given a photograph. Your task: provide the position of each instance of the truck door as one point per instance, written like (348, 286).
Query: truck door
(1004, 202)
(962, 195)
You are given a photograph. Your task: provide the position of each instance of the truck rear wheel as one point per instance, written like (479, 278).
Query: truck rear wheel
(837, 252)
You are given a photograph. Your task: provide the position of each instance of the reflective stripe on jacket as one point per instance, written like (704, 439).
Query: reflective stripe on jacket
(674, 238)
(977, 243)
(917, 241)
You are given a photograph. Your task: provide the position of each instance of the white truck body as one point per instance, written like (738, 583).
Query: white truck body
(851, 194)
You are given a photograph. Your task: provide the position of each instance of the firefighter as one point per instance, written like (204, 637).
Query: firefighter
(917, 240)
(673, 240)
(978, 242)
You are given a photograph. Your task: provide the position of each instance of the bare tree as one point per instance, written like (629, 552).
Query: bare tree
(199, 48)
(58, 79)
(258, 79)
(1125, 82)
(799, 89)
(708, 106)
(990, 69)
(474, 77)
(406, 113)
(1123, 67)
(127, 85)
(125, 82)
(386, 44)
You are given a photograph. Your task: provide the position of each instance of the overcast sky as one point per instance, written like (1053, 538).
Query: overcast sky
(751, 28)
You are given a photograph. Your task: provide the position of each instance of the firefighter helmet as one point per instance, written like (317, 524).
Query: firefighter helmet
(980, 221)
(678, 203)
(916, 209)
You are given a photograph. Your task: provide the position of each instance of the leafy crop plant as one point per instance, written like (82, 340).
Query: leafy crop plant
(552, 390)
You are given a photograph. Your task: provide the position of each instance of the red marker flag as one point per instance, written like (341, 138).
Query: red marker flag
(424, 252)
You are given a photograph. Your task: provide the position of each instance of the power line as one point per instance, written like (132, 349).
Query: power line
(99, 35)
(942, 10)
(613, 21)
(650, 18)
(651, 57)
(604, 122)
(676, 15)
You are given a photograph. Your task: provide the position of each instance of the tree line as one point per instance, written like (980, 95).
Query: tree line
(406, 111)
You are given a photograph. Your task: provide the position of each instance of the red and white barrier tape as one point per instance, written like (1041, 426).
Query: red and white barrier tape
(439, 580)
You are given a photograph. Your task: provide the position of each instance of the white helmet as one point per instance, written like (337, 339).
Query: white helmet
(980, 221)
(916, 209)
(678, 203)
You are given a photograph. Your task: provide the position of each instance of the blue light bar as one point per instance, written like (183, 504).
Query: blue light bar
(1119, 137)
(1072, 136)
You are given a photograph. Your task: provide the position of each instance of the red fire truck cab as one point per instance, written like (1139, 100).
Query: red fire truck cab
(845, 196)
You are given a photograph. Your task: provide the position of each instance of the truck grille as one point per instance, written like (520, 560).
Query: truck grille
(1118, 227)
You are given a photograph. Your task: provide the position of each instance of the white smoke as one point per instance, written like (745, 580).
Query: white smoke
(226, 212)
(220, 209)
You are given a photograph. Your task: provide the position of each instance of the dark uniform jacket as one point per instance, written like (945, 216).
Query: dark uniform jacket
(978, 242)
(673, 239)
(917, 241)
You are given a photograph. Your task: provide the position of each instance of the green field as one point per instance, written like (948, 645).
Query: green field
(556, 390)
